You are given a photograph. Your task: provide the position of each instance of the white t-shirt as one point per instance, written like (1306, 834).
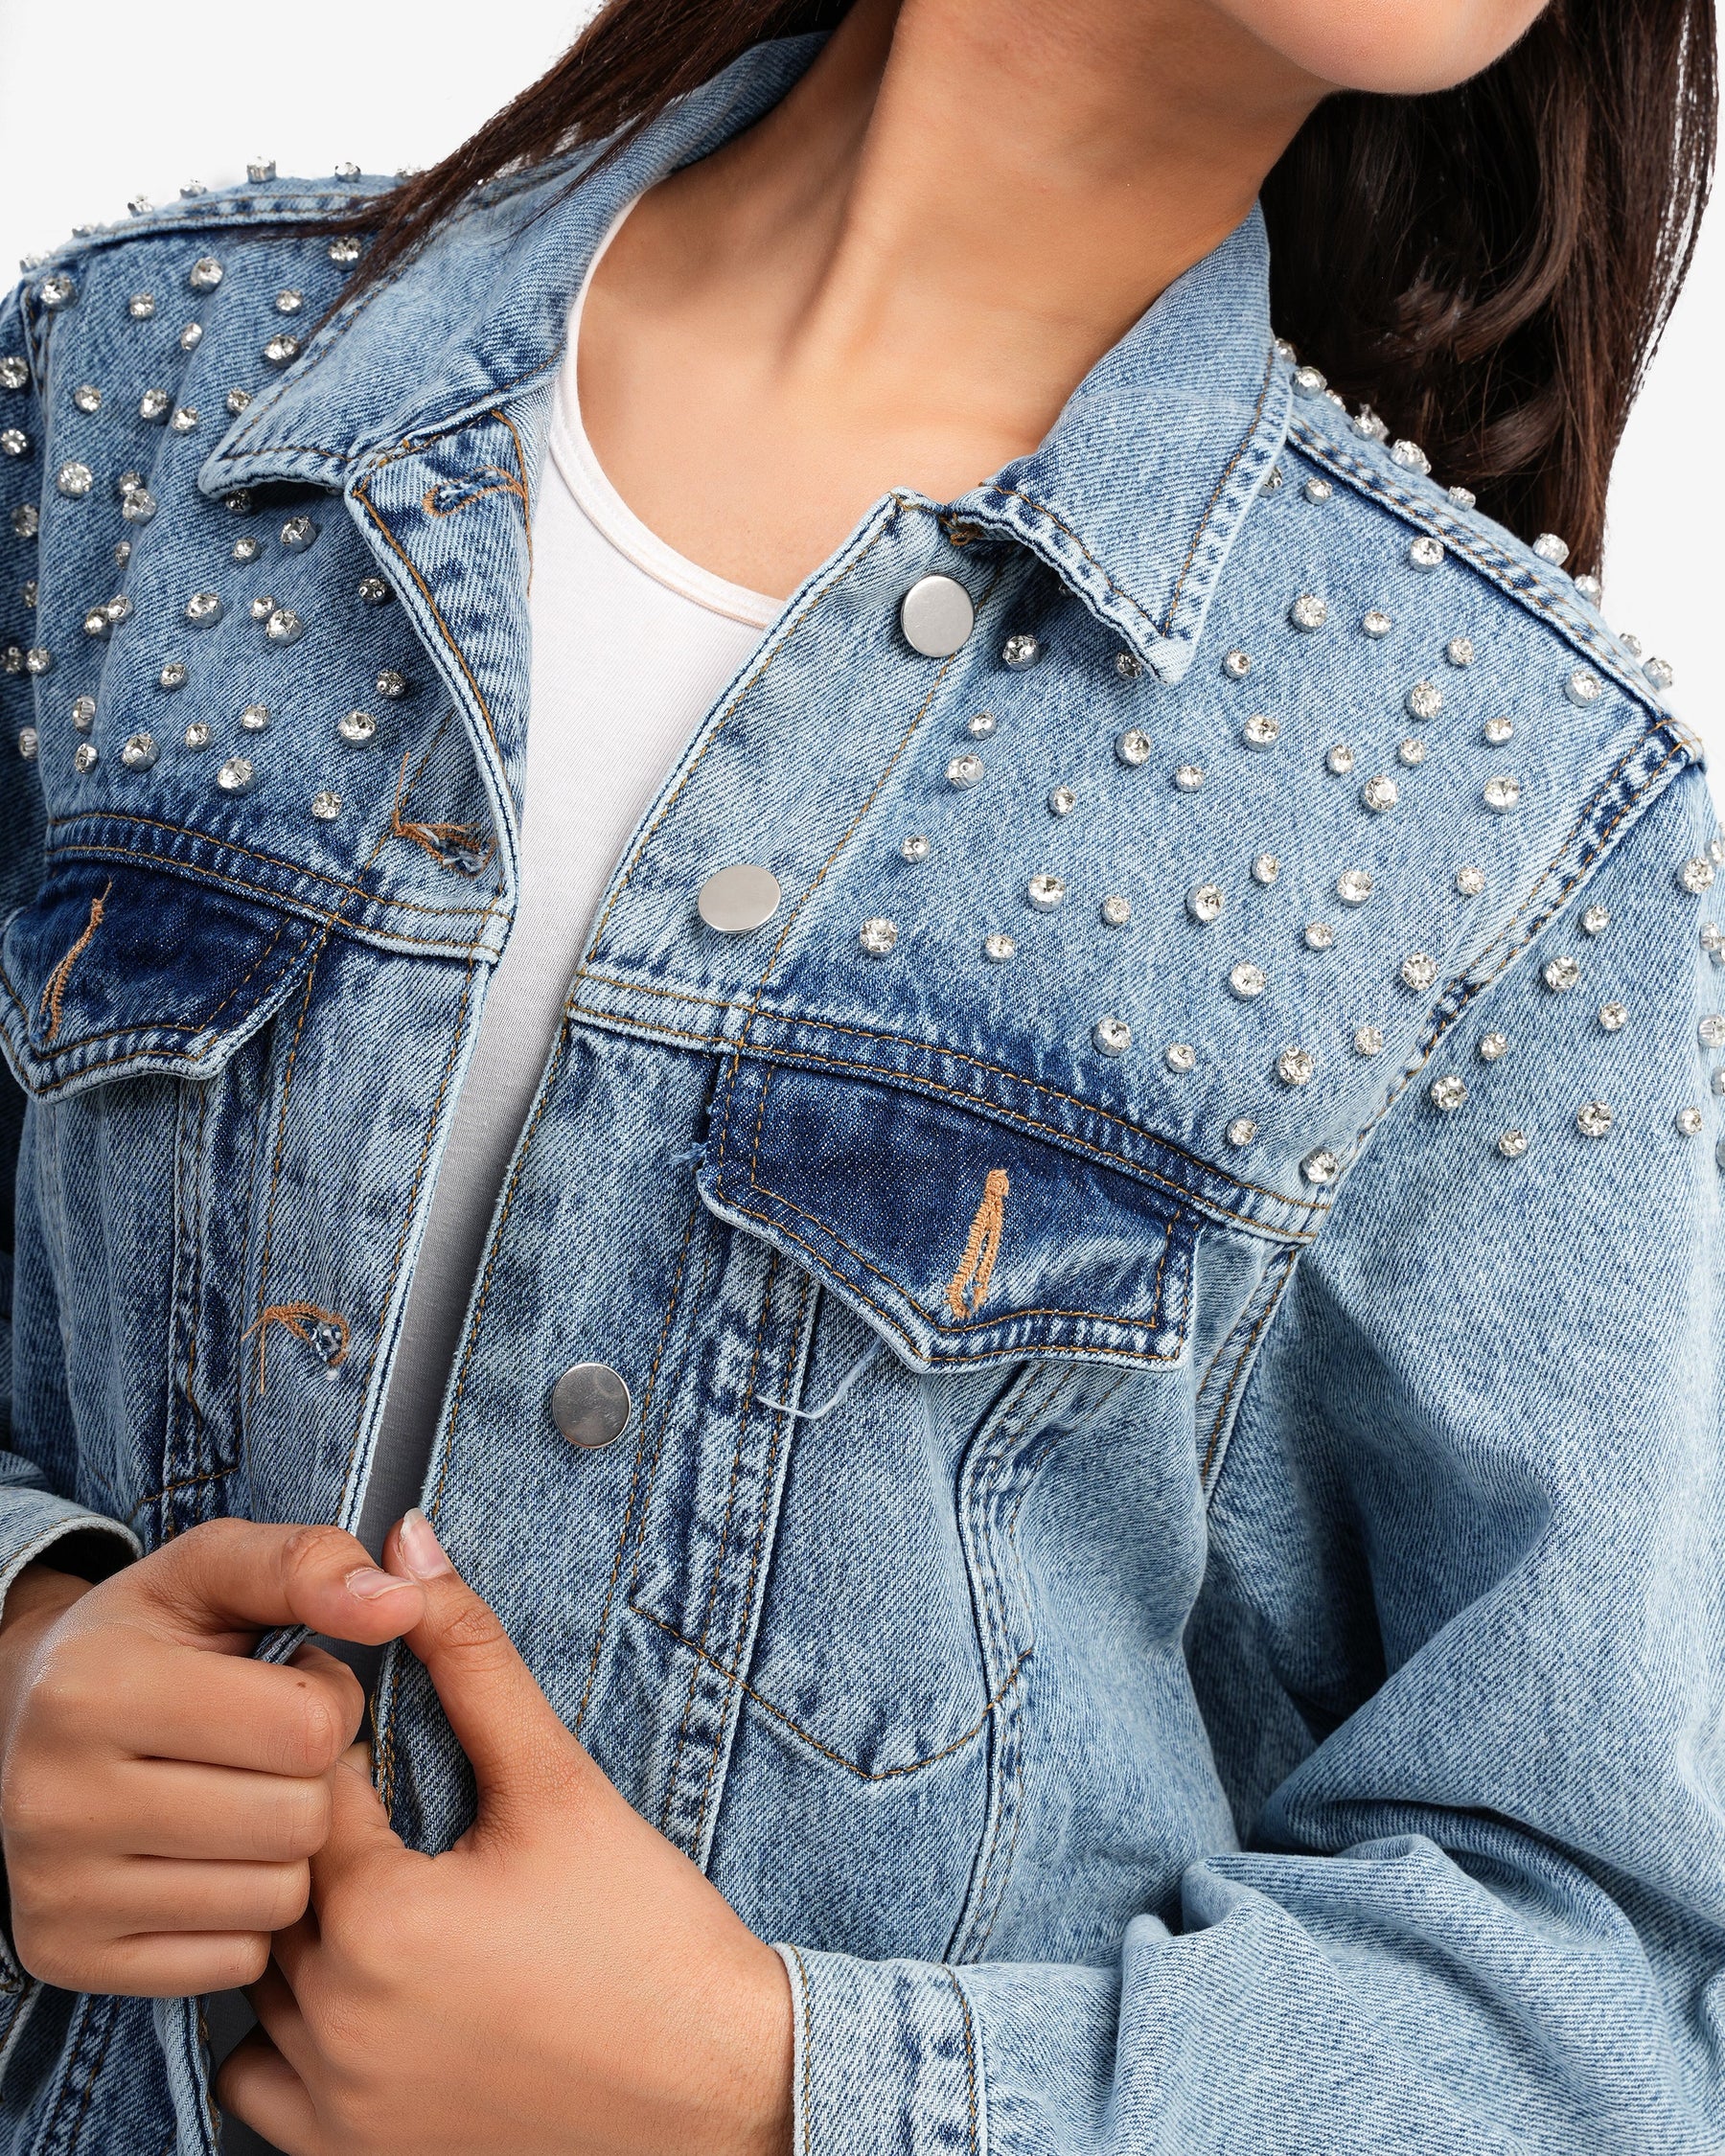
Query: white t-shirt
(631, 644)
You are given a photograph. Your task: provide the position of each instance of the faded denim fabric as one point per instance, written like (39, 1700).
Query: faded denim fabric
(1238, 1666)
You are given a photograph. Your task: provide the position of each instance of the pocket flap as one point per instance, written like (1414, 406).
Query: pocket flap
(114, 969)
(956, 1236)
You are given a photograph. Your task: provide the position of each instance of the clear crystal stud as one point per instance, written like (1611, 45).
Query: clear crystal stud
(1261, 731)
(38, 659)
(139, 753)
(190, 336)
(1493, 1046)
(282, 350)
(1247, 980)
(344, 250)
(1502, 792)
(1424, 701)
(1368, 1039)
(1265, 868)
(1583, 686)
(1696, 875)
(1551, 548)
(878, 937)
(1412, 751)
(139, 506)
(203, 608)
(1044, 891)
(1460, 650)
(235, 775)
(204, 274)
(1425, 553)
(1295, 1066)
(1497, 731)
(299, 532)
(1339, 759)
(237, 401)
(1318, 490)
(1062, 801)
(1420, 969)
(1595, 920)
(1308, 382)
(1447, 1092)
(246, 549)
(1560, 973)
(1319, 935)
(1128, 665)
(83, 713)
(1659, 671)
(1614, 1017)
(1309, 611)
(1320, 1165)
(1470, 881)
(1375, 622)
(1111, 1036)
(29, 743)
(326, 806)
(1020, 651)
(13, 442)
(283, 627)
(255, 717)
(964, 771)
(391, 684)
(260, 169)
(1688, 1121)
(1463, 497)
(374, 591)
(1241, 1130)
(1380, 792)
(184, 420)
(197, 734)
(1512, 1145)
(1591, 589)
(140, 305)
(357, 728)
(75, 480)
(1238, 664)
(914, 848)
(87, 396)
(1133, 747)
(173, 675)
(1181, 1056)
(1710, 1032)
(1592, 1118)
(289, 301)
(57, 291)
(239, 503)
(15, 374)
(155, 404)
(1203, 902)
(84, 757)
(998, 949)
(1354, 886)
(1189, 777)
(1115, 911)
(1409, 456)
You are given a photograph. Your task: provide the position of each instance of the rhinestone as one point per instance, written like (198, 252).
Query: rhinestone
(1375, 622)
(1368, 1039)
(1418, 969)
(26, 520)
(326, 806)
(184, 420)
(29, 592)
(1412, 751)
(235, 775)
(28, 744)
(282, 350)
(1115, 911)
(122, 552)
(1046, 891)
(1448, 1092)
(878, 937)
(1111, 1036)
(1189, 777)
(96, 622)
(1309, 611)
(1241, 1130)
(283, 627)
(75, 480)
(345, 250)
(1561, 973)
(1595, 919)
(190, 336)
(1502, 793)
(14, 442)
(1261, 731)
(139, 753)
(374, 590)
(1592, 1118)
(914, 848)
(1715, 851)
(1583, 686)
(1712, 936)
(1688, 1121)
(1353, 886)
(1295, 1066)
(57, 291)
(197, 734)
(87, 396)
(203, 608)
(1318, 490)
(1286, 350)
(246, 550)
(999, 949)
(1062, 801)
(204, 274)
(1717, 1081)
(263, 607)
(1379, 793)
(38, 659)
(173, 675)
(1463, 497)
(1710, 1032)
(1497, 731)
(1020, 651)
(357, 728)
(118, 609)
(391, 685)
(1697, 874)
(1203, 902)
(1247, 980)
(1591, 589)
(1309, 383)
(1613, 1017)
(1340, 759)
(1320, 1165)
(15, 374)
(1659, 671)
(289, 302)
(1133, 747)
(1424, 701)
(12, 659)
(299, 532)
(1319, 935)
(1425, 553)
(84, 757)
(1238, 664)
(84, 714)
(1512, 1145)
(1551, 548)
(1631, 644)
(964, 771)
(1493, 1046)
(261, 169)
(140, 305)
(1265, 868)
(1460, 650)
(155, 404)
(139, 506)
(255, 717)
(1181, 1056)
(237, 401)
(1409, 456)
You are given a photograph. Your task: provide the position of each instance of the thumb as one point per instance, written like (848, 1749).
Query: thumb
(523, 1760)
(221, 1584)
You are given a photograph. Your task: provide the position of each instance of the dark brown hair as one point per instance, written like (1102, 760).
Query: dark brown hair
(1490, 267)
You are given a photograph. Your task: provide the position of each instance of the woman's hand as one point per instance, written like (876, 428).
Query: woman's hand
(563, 1980)
(160, 1792)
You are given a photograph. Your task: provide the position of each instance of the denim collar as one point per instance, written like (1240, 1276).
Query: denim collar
(1134, 499)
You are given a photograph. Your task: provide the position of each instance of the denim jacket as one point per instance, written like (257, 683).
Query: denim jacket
(1169, 1541)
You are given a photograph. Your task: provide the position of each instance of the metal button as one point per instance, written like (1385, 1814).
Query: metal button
(591, 1405)
(733, 899)
(936, 616)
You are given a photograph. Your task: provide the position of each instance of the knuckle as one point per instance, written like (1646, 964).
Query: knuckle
(242, 1959)
(307, 1550)
(302, 1825)
(309, 1730)
(289, 1895)
(472, 1628)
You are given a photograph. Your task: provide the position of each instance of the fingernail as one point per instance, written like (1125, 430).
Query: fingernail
(368, 1582)
(420, 1550)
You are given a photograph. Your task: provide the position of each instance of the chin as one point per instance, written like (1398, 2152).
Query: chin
(1398, 48)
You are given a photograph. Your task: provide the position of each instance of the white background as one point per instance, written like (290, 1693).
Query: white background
(109, 98)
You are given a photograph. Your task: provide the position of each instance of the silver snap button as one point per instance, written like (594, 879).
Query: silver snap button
(591, 1405)
(936, 616)
(734, 899)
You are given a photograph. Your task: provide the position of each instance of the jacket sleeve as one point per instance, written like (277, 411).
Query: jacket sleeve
(1470, 1537)
(33, 1518)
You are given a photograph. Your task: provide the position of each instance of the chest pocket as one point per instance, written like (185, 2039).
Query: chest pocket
(117, 969)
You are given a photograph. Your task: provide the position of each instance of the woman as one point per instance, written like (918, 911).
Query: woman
(1031, 1192)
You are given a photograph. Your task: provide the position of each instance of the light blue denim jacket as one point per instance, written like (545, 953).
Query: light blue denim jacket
(1240, 1666)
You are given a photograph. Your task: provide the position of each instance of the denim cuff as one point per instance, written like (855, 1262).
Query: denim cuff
(887, 2059)
(32, 1521)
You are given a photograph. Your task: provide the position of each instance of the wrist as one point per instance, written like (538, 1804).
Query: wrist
(766, 2107)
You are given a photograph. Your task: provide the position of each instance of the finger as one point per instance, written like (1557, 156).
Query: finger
(359, 1834)
(167, 1966)
(223, 1583)
(186, 1703)
(279, 2017)
(169, 1808)
(522, 1755)
(168, 1894)
(261, 2089)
